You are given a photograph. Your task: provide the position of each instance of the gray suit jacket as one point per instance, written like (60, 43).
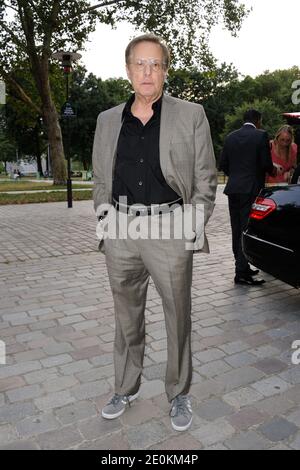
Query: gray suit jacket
(186, 156)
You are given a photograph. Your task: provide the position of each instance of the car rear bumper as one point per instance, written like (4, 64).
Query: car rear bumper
(281, 262)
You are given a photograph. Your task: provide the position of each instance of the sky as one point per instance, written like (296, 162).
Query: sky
(268, 40)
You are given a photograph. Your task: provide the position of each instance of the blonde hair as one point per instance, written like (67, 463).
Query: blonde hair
(288, 130)
(150, 38)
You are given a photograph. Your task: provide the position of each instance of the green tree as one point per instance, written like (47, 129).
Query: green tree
(209, 88)
(90, 95)
(272, 117)
(7, 151)
(118, 90)
(276, 86)
(24, 123)
(271, 92)
(7, 145)
(40, 27)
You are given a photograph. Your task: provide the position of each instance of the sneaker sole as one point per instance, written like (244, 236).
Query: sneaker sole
(116, 415)
(181, 428)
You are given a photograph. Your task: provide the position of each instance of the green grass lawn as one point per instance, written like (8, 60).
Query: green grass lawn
(30, 186)
(22, 198)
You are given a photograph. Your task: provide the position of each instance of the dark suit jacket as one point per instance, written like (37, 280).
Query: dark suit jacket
(296, 175)
(245, 159)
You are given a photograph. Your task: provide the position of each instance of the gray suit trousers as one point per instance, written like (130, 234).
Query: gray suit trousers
(130, 263)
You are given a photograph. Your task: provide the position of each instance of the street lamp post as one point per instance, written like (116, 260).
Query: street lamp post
(66, 59)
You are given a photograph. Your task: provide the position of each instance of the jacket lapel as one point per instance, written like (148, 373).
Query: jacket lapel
(114, 132)
(167, 121)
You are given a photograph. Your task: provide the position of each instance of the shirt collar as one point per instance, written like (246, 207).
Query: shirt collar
(156, 106)
(249, 124)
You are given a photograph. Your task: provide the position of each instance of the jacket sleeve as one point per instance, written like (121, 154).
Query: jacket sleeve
(265, 154)
(296, 175)
(224, 160)
(205, 172)
(99, 182)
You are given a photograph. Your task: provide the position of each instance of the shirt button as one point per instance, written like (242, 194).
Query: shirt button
(140, 183)
(143, 137)
(141, 160)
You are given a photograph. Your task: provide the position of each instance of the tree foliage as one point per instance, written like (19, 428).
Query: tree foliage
(34, 29)
(7, 145)
(31, 30)
(24, 123)
(272, 117)
(270, 93)
(90, 96)
(276, 85)
(225, 96)
(209, 88)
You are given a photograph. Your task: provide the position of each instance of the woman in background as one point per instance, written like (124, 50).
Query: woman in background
(284, 155)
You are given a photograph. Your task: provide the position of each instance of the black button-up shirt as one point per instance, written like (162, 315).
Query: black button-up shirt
(137, 172)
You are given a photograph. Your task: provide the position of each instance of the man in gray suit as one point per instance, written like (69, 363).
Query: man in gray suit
(155, 153)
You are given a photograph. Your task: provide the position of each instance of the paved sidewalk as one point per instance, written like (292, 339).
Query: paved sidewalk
(57, 320)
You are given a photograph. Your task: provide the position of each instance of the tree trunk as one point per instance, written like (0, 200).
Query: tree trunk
(57, 158)
(39, 164)
(51, 122)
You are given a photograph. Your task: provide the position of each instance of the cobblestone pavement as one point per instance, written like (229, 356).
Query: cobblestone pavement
(56, 318)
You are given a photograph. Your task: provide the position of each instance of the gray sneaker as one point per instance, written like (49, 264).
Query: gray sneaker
(181, 413)
(117, 405)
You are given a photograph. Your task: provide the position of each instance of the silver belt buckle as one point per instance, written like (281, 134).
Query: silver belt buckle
(131, 211)
(162, 209)
(153, 209)
(143, 211)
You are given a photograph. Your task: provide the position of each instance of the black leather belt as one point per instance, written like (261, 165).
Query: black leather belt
(155, 209)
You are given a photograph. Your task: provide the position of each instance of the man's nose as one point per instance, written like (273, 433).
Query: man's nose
(147, 69)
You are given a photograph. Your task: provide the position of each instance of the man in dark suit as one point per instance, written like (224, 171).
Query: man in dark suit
(245, 159)
(296, 176)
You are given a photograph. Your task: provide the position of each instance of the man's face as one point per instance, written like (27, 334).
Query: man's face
(146, 70)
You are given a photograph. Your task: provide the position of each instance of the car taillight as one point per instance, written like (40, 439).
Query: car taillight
(262, 208)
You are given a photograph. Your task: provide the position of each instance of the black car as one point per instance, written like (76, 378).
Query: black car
(271, 241)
